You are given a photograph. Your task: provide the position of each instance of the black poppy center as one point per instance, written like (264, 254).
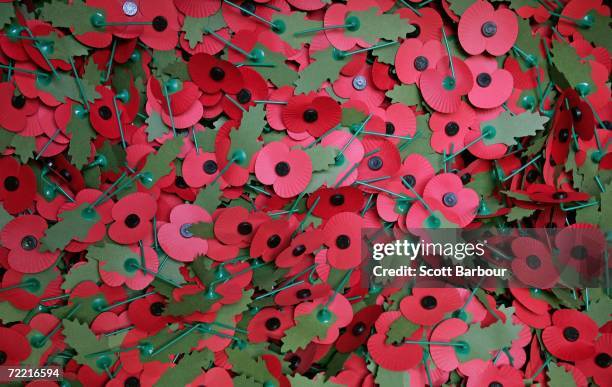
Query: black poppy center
(248, 6)
(66, 174)
(29, 242)
(282, 169)
(392, 72)
(488, 29)
(105, 113)
(336, 200)
(495, 384)
(274, 241)
(389, 128)
(303, 293)
(18, 101)
(180, 182)
(157, 308)
(466, 178)
(358, 328)
(451, 128)
(216, 73)
(564, 135)
(3, 357)
(429, 302)
(602, 360)
(579, 252)
(409, 181)
(11, 183)
(298, 250)
(273, 323)
(245, 228)
(310, 115)
(576, 114)
(132, 220)
(343, 242)
(160, 23)
(559, 195)
(375, 163)
(533, 261)
(449, 199)
(243, 96)
(210, 167)
(294, 362)
(607, 124)
(532, 175)
(421, 63)
(571, 334)
(132, 381)
(483, 79)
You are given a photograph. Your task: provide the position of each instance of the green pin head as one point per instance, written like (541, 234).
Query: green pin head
(98, 20)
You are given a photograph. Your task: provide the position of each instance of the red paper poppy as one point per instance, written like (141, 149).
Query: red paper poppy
(413, 57)
(445, 193)
(200, 169)
(343, 237)
(301, 293)
(357, 332)
(196, 8)
(384, 76)
(482, 28)
(270, 323)
(441, 90)
(359, 87)
(213, 377)
(427, 22)
(335, 200)
(22, 237)
(504, 375)
(547, 194)
(393, 357)
(14, 347)
(562, 136)
(176, 239)
(147, 314)
(449, 130)
(337, 14)
(18, 187)
(162, 34)
(133, 277)
(287, 170)
(492, 86)
(311, 113)
(582, 246)
(103, 116)
(385, 161)
(132, 215)
(572, 335)
(482, 150)
(429, 306)
(597, 365)
(13, 115)
(301, 246)
(254, 88)
(236, 226)
(533, 264)
(339, 306)
(213, 75)
(103, 210)
(272, 237)
(577, 10)
(352, 155)
(583, 118)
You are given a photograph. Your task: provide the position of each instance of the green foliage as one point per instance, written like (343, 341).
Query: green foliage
(507, 128)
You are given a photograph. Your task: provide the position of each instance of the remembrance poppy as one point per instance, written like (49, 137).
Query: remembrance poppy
(443, 91)
(176, 239)
(429, 306)
(17, 185)
(482, 28)
(287, 170)
(571, 336)
(132, 215)
(413, 57)
(492, 86)
(213, 75)
(311, 113)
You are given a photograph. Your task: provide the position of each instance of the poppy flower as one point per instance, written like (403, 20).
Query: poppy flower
(132, 215)
(147, 314)
(213, 75)
(399, 122)
(22, 237)
(236, 226)
(116, 274)
(449, 130)
(359, 87)
(311, 113)
(532, 263)
(338, 306)
(103, 209)
(482, 28)
(14, 347)
(200, 169)
(287, 170)
(13, 115)
(396, 356)
(270, 323)
(597, 365)
(197, 9)
(337, 14)
(492, 86)
(357, 332)
(582, 246)
(427, 22)
(429, 306)
(441, 90)
(413, 57)
(343, 237)
(571, 336)
(579, 10)
(383, 160)
(213, 377)
(254, 88)
(271, 237)
(332, 201)
(18, 187)
(547, 194)
(582, 115)
(301, 293)
(503, 375)
(384, 76)
(562, 136)
(301, 246)
(176, 239)
(445, 193)
(162, 34)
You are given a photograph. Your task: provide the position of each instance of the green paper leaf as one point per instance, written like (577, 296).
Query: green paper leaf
(559, 376)
(246, 137)
(82, 134)
(80, 272)
(158, 165)
(306, 328)
(508, 127)
(243, 363)
(374, 26)
(599, 32)
(298, 380)
(386, 378)
(386, 54)
(7, 12)
(190, 304)
(155, 126)
(206, 140)
(10, 314)
(322, 157)
(72, 225)
(266, 277)
(194, 27)
(5, 217)
(518, 213)
(202, 230)
(600, 311)
(209, 197)
(5, 138)
(405, 94)
(420, 143)
(84, 342)
(573, 69)
(400, 329)
(325, 67)
(76, 15)
(459, 6)
(112, 257)
(295, 22)
(24, 147)
(226, 315)
(326, 177)
(65, 86)
(352, 116)
(280, 74)
(115, 156)
(190, 367)
(65, 47)
(484, 342)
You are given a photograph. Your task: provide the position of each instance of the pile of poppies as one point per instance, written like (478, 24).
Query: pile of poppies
(184, 186)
